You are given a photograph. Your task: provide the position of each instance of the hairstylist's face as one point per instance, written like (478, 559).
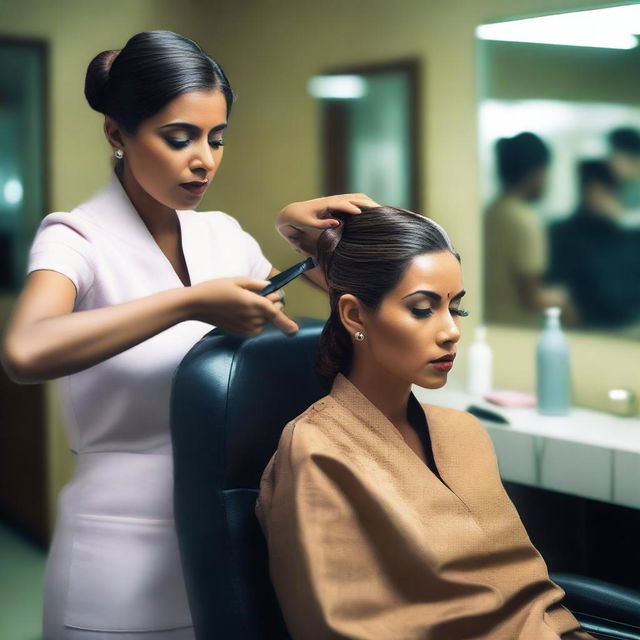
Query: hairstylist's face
(174, 155)
(412, 337)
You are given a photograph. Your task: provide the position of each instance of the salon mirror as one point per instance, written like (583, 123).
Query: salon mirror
(559, 142)
(22, 158)
(369, 131)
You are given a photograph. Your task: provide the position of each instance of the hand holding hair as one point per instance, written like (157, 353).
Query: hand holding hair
(301, 223)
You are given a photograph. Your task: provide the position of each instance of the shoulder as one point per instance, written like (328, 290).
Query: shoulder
(449, 415)
(304, 443)
(86, 218)
(318, 431)
(75, 220)
(66, 229)
(460, 424)
(526, 218)
(508, 209)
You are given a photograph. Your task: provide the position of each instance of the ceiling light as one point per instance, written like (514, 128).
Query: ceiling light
(611, 28)
(346, 87)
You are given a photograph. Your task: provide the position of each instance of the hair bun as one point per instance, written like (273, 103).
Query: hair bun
(97, 77)
(326, 245)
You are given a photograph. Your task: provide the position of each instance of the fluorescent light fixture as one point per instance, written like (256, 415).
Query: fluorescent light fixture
(13, 191)
(611, 28)
(545, 117)
(619, 394)
(346, 87)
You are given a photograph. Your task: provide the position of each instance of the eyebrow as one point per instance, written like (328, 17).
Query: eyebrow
(192, 128)
(435, 296)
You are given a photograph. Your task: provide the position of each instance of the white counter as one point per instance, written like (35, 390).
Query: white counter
(587, 453)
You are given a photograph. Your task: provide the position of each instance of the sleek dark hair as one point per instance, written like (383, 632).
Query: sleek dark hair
(136, 82)
(625, 139)
(598, 171)
(367, 256)
(520, 155)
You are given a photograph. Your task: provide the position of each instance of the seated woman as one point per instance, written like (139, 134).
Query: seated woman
(387, 519)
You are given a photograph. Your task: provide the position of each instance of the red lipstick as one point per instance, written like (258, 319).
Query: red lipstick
(445, 363)
(197, 188)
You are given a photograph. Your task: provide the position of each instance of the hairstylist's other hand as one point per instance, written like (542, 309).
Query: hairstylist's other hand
(301, 223)
(234, 305)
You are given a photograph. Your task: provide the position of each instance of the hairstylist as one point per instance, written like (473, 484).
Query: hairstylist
(118, 290)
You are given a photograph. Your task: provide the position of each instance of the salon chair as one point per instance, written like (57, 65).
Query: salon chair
(231, 399)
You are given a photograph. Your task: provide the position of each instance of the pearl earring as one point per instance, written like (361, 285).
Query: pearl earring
(118, 154)
(359, 336)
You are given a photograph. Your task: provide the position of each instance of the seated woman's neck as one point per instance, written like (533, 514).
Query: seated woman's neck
(389, 394)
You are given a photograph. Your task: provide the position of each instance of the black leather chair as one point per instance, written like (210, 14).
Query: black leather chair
(231, 398)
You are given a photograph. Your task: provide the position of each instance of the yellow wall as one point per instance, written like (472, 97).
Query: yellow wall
(270, 48)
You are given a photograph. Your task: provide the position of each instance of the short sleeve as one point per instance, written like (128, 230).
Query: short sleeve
(59, 245)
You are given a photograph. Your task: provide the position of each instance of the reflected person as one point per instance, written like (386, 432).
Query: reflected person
(624, 159)
(596, 258)
(386, 518)
(515, 242)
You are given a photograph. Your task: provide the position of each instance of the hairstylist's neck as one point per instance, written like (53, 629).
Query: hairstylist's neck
(157, 217)
(389, 394)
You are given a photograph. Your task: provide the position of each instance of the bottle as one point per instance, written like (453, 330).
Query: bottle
(480, 364)
(553, 367)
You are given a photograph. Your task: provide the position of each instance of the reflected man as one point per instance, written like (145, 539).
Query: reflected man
(624, 160)
(515, 238)
(596, 258)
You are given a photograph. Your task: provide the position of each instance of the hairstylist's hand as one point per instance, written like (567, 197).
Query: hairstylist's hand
(234, 305)
(301, 223)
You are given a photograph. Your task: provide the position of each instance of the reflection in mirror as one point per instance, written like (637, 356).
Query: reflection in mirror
(559, 123)
(369, 131)
(22, 154)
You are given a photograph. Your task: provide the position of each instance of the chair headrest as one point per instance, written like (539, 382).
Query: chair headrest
(233, 396)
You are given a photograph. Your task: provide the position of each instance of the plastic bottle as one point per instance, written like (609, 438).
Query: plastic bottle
(553, 367)
(480, 379)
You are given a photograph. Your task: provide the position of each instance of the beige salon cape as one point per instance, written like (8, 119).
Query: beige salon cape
(366, 543)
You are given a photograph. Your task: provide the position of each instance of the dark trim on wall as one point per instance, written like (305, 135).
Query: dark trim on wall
(413, 67)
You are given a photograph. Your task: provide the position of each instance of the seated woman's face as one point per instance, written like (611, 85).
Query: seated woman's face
(418, 322)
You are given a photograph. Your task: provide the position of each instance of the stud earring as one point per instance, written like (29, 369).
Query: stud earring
(118, 154)
(359, 336)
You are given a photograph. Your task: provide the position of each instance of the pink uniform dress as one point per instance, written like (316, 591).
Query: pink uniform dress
(114, 570)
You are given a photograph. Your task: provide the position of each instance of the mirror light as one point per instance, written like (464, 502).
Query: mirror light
(345, 87)
(611, 28)
(13, 191)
